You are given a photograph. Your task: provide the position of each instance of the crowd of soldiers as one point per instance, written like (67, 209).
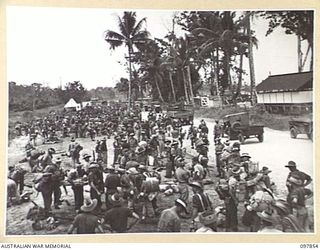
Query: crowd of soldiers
(229, 193)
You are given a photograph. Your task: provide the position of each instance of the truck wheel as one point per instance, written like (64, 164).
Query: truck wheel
(293, 133)
(241, 138)
(235, 126)
(260, 138)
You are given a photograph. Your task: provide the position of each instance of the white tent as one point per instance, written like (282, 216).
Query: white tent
(72, 104)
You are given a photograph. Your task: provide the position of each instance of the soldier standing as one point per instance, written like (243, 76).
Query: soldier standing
(98, 150)
(57, 175)
(46, 187)
(225, 194)
(116, 149)
(95, 178)
(219, 149)
(182, 176)
(217, 130)
(47, 158)
(104, 151)
(77, 179)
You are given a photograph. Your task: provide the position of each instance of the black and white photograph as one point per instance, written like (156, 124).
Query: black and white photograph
(127, 121)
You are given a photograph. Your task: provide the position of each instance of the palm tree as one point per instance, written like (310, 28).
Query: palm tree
(131, 34)
(180, 57)
(253, 96)
(222, 34)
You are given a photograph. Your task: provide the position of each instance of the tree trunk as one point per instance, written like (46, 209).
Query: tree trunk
(306, 56)
(253, 96)
(130, 78)
(172, 87)
(311, 58)
(299, 53)
(216, 73)
(190, 84)
(34, 104)
(158, 88)
(185, 86)
(239, 79)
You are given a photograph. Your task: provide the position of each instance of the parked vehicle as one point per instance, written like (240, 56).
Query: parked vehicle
(238, 127)
(301, 126)
(184, 113)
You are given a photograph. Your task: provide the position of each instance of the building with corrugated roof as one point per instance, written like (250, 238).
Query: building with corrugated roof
(287, 93)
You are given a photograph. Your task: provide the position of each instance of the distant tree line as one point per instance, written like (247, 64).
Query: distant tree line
(36, 96)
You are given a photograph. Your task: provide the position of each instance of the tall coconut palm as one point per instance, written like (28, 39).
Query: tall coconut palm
(226, 35)
(131, 35)
(253, 96)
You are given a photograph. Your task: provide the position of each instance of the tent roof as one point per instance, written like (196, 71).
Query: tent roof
(71, 103)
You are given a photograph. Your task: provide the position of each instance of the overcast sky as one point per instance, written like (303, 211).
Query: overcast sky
(59, 45)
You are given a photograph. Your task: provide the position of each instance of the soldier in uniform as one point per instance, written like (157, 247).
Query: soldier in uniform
(192, 134)
(57, 175)
(104, 151)
(77, 179)
(217, 130)
(96, 184)
(200, 201)
(116, 149)
(225, 194)
(112, 181)
(47, 158)
(198, 172)
(296, 174)
(86, 158)
(46, 187)
(182, 176)
(133, 143)
(219, 149)
(98, 150)
(170, 218)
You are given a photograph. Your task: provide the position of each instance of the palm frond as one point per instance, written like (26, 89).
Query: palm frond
(141, 35)
(208, 47)
(122, 27)
(114, 39)
(255, 41)
(138, 27)
(129, 19)
(204, 31)
(109, 34)
(114, 43)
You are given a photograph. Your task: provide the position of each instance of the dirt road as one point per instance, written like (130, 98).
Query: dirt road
(277, 149)
(274, 152)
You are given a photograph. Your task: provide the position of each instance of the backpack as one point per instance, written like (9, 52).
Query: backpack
(209, 205)
(291, 222)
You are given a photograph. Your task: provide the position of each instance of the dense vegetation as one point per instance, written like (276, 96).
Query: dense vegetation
(37, 96)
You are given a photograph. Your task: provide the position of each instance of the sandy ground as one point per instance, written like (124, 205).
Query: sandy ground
(276, 150)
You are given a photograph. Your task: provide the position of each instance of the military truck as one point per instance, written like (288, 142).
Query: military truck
(238, 127)
(301, 126)
(183, 113)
